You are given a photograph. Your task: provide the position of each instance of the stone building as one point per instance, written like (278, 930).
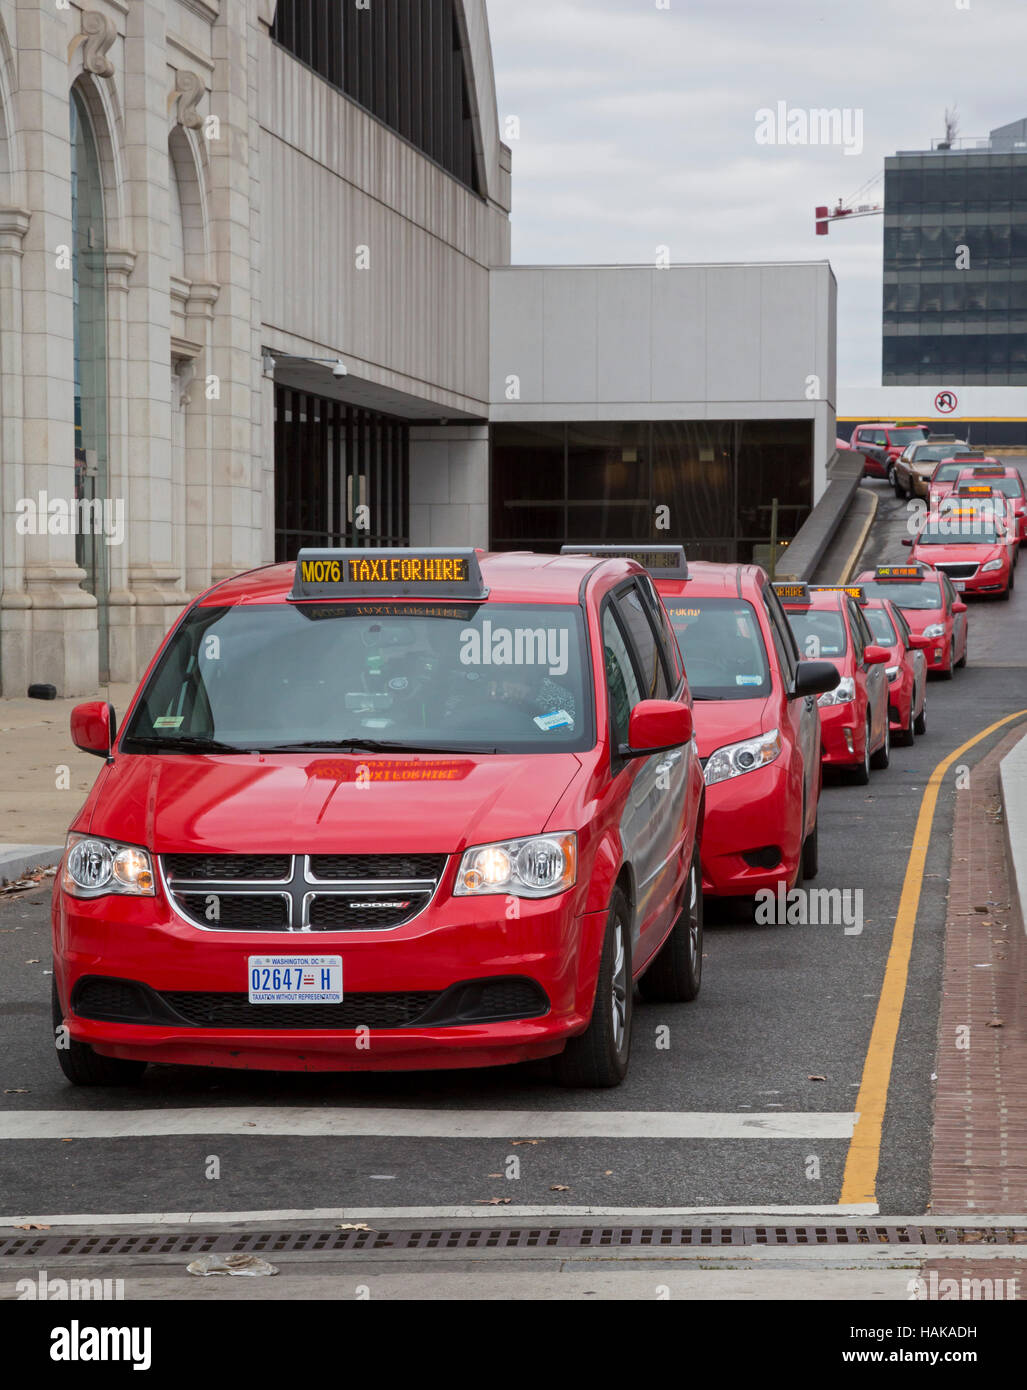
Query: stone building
(244, 301)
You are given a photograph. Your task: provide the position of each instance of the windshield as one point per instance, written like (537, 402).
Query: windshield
(919, 594)
(722, 648)
(1009, 487)
(819, 633)
(948, 472)
(490, 677)
(881, 626)
(953, 530)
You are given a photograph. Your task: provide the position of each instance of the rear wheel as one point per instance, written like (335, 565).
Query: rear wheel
(676, 974)
(80, 1064)
(599, 1056)
(861, 773)
(920, 722)
(880, 760)
(893, 479)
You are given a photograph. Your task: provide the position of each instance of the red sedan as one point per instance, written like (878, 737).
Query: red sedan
(971, 546)
(827, 622)
(930, 605)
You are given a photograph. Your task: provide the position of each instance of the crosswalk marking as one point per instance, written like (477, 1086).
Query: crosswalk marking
(270, 1121)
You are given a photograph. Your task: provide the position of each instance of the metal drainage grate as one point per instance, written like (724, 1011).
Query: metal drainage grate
(501, 1238)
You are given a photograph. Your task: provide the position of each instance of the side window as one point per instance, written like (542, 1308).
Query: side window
(861, 638)
(948, 593)
(636, 620)
(879, 437)
(621, 683)
(665, 633)
(784, 637)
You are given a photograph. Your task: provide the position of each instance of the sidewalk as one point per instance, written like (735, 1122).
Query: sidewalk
(45, 778)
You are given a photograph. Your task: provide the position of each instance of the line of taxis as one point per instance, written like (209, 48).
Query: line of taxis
(408, 809)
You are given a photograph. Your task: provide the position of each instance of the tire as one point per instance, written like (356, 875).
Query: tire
(84, 1067)
(893, 480)
(598, 1057)
(908, 736)
(961, 663)
(811, 853)
(947, 674)
(675, 975)
(920, 722)
(861, 774)
(1007, 592)
(880, 760)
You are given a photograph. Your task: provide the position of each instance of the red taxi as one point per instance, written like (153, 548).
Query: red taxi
(944, 478)
(981, 497)
(1004, 481)
(827, 622)
(756, 720)
(887, 439)
(906, 669)
(971, 546)
(387, 809)
(930, 605)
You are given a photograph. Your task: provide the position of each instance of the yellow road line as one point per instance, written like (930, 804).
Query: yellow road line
(859, 1183)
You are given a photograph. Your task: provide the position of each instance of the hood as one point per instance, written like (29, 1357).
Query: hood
(952, 554)
(296, 804)
(718, 722)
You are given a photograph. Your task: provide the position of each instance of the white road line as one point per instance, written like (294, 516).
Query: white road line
(480, 1215)
(270, 1121)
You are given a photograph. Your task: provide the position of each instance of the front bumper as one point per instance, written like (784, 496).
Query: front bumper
(456, 940)
(842, 735)
(751, 815)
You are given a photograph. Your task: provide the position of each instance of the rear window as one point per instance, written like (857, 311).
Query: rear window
(722, 647)
(819, 634)
(947, 472)
(487, 677)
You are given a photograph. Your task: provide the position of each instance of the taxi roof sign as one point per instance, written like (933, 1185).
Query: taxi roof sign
(794, 591)
(439, 572)
(663, 561)
(989, 470)
(900, 572)
(855, 591)
(975, 490)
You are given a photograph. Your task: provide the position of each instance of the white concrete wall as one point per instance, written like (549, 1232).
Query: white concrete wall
(735, 342)
(449, 485)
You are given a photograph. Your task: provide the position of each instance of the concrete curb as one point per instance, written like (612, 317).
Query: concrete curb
(851, 562)
(1013, 782)
(16, 859)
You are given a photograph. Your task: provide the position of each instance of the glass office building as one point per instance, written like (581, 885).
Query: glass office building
(955, 262)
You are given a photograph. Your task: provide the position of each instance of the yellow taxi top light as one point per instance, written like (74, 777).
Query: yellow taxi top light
(400, 573)
(974, 490)
(855, 591)
(792, 592)
(904, 572)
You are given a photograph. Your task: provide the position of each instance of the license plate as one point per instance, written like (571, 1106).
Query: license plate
(959, 585)
(295, 979)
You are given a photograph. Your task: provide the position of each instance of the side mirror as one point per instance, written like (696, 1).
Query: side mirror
(94, 727)
(919, 642)
(959, 606)
(657, 725)
(907, 540)
(875, 656)
(815, 678)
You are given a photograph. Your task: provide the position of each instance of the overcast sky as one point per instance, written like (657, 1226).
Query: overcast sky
(638, 126)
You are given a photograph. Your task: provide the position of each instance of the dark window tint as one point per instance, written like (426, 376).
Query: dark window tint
(880, 625)
(621, 682)
(722, 647)
(643, 640)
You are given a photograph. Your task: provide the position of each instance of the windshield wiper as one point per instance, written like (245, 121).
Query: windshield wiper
(372, 745)
(183, 743)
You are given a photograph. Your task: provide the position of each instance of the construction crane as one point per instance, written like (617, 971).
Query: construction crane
(850, 207)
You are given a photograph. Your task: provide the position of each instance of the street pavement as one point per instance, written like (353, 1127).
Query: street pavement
(750, 1108)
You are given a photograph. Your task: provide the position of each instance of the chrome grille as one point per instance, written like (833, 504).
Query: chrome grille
(315, 893)
(955, 570)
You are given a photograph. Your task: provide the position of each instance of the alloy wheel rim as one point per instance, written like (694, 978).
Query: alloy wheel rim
(619, 991)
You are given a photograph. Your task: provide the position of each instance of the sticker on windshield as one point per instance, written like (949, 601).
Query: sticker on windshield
(169, 721)
(748, 680)
(557, 719)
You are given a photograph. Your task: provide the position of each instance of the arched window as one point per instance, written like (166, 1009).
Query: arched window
(401, 59)
(89, 279)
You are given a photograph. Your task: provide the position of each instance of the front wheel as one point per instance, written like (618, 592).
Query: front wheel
(861, 773)
(908, 734)
(676, 973)
(80, 1064)
(599, 1056)
(811, 854)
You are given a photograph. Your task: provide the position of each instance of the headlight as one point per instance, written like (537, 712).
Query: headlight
(536, 867)
(94, 868)
(893, 672)
(843, 693)
(992, 565)
(935, 630)
(735, 758)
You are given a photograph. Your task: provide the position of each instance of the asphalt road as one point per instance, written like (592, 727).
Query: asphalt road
(780, 1005)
